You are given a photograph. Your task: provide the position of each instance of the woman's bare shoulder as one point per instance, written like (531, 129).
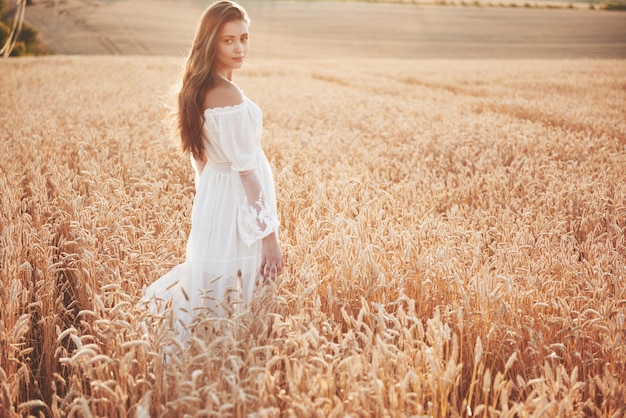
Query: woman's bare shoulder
(222, 95)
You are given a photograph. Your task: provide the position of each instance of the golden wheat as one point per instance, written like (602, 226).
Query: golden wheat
(454, 233)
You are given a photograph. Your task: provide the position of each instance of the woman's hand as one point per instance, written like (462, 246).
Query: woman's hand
(272, 258)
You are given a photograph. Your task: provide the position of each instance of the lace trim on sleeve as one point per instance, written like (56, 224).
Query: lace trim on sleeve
(256, 221)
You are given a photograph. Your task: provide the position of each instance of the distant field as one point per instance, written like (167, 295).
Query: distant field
(323, 30)
(454, 233)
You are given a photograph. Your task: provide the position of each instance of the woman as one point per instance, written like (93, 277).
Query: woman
(233, 240)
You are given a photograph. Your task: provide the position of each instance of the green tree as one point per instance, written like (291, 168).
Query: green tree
(5, 31)
(28, 41)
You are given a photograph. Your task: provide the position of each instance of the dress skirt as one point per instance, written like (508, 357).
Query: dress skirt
(220, 272)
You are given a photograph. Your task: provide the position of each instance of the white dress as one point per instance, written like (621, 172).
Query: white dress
(234, 208)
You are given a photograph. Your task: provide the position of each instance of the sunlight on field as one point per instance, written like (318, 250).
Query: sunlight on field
(454, 233)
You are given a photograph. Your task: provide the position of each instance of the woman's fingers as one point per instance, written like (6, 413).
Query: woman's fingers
(271, 269)
(272, 258)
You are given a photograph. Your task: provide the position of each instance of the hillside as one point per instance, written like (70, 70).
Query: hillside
(325, 30)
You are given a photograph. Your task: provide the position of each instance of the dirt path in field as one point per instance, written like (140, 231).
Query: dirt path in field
(333, 30)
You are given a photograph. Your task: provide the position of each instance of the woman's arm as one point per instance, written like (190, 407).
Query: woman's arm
(272, 257)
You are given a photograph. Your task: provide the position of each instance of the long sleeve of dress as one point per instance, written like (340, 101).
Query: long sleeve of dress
(240, 143)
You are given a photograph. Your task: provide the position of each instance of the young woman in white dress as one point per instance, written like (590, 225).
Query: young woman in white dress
(233, 241)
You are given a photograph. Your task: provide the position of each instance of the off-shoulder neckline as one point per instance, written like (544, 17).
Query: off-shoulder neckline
(222, 109)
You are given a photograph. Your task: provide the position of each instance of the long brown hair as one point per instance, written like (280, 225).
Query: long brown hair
(199, 75)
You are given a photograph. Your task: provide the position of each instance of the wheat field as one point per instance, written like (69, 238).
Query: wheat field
(453, 231)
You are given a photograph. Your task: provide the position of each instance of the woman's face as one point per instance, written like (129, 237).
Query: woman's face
(232, 45)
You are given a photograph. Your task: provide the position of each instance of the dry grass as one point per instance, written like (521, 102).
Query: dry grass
(454, 233)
